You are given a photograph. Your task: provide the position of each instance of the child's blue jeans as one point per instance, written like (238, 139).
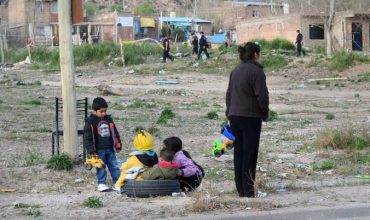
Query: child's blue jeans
(109, 158)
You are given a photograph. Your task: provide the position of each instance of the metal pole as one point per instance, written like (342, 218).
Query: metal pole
(68, 82)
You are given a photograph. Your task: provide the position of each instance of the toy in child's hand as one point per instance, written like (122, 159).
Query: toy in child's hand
(218, 148)
(93, 161)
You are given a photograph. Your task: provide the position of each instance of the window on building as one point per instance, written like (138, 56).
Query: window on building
(54, 7)
(40, 31)
(316, 31)
(255, 13)
(38, 6)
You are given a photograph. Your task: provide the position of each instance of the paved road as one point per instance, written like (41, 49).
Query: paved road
(337, 213)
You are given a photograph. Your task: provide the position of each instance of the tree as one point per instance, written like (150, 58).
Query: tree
(145, 9)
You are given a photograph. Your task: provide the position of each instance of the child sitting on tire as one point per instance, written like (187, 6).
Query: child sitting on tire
(190, 174)
(138, 160)
(166, 169)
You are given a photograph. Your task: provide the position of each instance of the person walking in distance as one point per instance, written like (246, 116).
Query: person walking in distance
(299, 43)
(203, 44)
(166, 49)
(195, 43)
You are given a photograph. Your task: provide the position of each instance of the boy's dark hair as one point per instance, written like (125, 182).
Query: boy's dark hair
(166, 155)
(248, 51)
(99, 103)
(163, 36)
(173, 144)
(201, 32)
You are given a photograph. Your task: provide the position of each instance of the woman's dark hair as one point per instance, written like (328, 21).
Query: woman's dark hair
(173, 144)
(166, 155)
(99, 103)
(248, 51)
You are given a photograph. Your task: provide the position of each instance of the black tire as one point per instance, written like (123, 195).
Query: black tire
(151, 188)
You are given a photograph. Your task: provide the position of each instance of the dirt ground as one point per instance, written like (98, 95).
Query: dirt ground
(287, 151)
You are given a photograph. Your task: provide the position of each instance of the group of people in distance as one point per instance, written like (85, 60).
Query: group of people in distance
(199, 46)
(102, 138)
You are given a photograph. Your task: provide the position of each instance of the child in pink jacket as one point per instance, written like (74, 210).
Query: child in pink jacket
(190, 173)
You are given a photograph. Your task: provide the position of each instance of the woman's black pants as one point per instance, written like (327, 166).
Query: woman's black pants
(247, 132)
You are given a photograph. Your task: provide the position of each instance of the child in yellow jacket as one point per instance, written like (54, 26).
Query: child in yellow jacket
(143, 157)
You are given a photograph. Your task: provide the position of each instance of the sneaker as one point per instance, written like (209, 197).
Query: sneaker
(261, 194)
(117, 189)
(103, 188)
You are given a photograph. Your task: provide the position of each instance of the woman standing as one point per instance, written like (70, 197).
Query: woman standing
(247, 101)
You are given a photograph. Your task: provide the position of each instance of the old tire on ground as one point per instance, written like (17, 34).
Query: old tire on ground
(151, 188)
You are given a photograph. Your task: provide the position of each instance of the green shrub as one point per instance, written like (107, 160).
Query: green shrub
(276, 44)
(32, 102)
(272, 115)
(212, 115)
(273, 62)
(14, 55)
(342, 60)
(366, 77)
(138, 53)
(95, 53)
(93, 202)
(345, 138)
(325, 165)
(141, 104)
(145, 9)
(116, 8)
(30, 159)
(329, 116)
(41, 130)
(319, 49)
(33, 212)
(60, 162)
(154, 131)
(166, 115)
(90, 9)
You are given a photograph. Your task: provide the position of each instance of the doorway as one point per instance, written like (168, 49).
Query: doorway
(357, 37)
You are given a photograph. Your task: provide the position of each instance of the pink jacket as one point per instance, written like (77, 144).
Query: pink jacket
(186, 165)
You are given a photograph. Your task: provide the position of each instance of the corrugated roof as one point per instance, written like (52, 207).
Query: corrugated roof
(255, 3)
(183, 19)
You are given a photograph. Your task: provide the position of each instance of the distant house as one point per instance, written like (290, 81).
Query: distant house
(233, 12)
(350, 29)
(188, 24)
(35, 21)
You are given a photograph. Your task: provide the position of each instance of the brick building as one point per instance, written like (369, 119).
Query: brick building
(233, 12)
(36, 20)
(350, 30)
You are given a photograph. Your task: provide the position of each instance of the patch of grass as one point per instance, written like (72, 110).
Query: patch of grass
(154, 131)
(166, 114)
(357, 95)
(13, 135)
(60, 162)
(329, 116)
(33, 213)
(93, 202)
(272, 116)
(314, 61)
(41, 130)
(366, 77)
(30, 159)
(319, 49)
(276, 44)
(325, 165)
(344, 138)
(138, 53)
(212, 115)
(342, 60)
(274, 62)
(32, 102)
(141, 104)
(17, 205)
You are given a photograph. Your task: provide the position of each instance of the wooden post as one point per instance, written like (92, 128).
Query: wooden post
(122, 52)
(68, 82)
(1, 49)
(89, 39)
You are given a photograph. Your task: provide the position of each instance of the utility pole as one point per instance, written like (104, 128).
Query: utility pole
(68, 81)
